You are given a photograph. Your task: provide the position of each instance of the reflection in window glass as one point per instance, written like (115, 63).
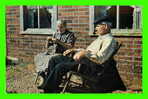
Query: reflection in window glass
(126, 17)
(37, 16)
(112, 13)
(122, 17)
(45, 17)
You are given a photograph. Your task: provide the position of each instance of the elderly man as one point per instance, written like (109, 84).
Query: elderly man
(95, 57)
(56, 45)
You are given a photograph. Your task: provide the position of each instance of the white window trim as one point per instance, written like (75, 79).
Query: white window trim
(91, 20)
(117, 31)
(36, 30)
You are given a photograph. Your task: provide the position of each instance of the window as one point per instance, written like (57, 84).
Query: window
(123, 18)
(38, 19)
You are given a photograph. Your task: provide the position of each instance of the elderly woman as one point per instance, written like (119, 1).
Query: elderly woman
(58, 43)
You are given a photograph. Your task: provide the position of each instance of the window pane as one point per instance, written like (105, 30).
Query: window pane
(126, 17)
(30, 17)
(100, 11)
(106, 11)
(45, 16)
(112, 13)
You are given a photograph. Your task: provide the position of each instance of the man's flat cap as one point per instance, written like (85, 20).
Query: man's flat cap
(103, 20)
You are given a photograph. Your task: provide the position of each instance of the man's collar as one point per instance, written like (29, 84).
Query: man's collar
(105, 35)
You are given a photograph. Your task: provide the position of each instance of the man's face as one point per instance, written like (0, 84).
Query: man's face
(61, 28)
(101, 29)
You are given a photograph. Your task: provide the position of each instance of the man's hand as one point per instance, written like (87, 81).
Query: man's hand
(79, 55)
(68, 51)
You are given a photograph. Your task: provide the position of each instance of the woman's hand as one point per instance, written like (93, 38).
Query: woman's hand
(54, 40)
(49, 38)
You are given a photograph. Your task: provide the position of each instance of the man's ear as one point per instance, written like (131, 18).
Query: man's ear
(106, 26)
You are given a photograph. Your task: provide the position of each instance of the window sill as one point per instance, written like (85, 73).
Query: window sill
(37, 32)
(123, 32)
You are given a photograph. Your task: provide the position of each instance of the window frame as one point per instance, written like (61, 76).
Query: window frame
(117, 31)
(39, 31)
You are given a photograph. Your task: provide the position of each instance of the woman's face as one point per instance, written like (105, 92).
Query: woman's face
(61, 28)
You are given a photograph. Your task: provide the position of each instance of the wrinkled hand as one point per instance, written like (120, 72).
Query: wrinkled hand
(79, 55)
(68, 51)
(54, 40)
(49, 38)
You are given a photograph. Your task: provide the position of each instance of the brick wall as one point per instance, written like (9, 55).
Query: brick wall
(21, 46)
(130, 60)
(12, 25)
(26, 46)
